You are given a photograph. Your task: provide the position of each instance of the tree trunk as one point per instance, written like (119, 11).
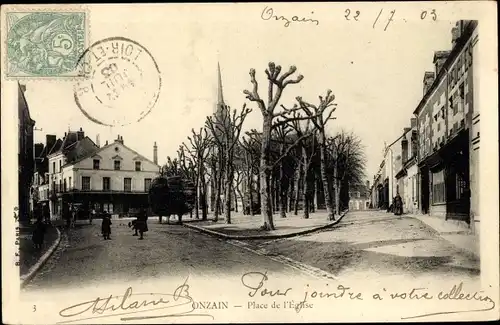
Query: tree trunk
(305, 194)
(290, 195)
(282, 190)
(197, 186)
(265, 175)
(228, 188)
(250, 194)
(324, 176)
(235, 195)
(219, 190)
(337, 198)
(297, 190)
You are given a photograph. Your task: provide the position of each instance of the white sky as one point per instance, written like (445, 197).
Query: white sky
(376, 76)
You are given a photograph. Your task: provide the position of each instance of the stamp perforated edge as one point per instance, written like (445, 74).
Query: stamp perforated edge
(34, 9)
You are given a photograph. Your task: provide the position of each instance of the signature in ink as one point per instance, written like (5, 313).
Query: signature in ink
(178, 304)
(268, 14)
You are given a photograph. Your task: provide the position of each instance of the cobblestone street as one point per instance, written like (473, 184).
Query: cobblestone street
(379, 246)
(83, 257)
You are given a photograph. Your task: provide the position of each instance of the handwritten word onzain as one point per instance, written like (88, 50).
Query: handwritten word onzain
(268, 14)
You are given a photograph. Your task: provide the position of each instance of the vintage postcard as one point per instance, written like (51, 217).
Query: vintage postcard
(249, 162)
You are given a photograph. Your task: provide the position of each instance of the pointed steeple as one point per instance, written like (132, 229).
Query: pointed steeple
(220, 96)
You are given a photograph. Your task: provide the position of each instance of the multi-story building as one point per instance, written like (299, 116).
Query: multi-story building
(113, 178)
(26, 157)
(448, 125)
(407, 176)
(40, 187)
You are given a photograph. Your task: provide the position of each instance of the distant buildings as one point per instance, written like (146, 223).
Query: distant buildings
(359, 197)
(438, 173)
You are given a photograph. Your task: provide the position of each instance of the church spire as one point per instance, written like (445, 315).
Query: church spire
(220, 96)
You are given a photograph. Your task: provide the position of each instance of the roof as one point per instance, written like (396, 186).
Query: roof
(80, 149)
(91, 153)
(459, 45)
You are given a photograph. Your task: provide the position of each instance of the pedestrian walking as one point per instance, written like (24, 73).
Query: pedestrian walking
(38, 234)
(46, 213)
(133, 225)
(106, 225)
(91, 215)
(398, 205)
(142, 223)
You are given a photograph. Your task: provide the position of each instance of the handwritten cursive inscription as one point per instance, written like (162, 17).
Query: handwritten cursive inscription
(179, 304)
(255, 282)
(268, 14)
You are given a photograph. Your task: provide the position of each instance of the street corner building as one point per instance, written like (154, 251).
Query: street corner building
(26, 163)
(434, 164)
(113, 178)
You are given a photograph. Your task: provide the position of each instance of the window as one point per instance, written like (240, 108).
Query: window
(438, 187)
(439, 127)
(147, 184)
(127, 184)
(460, 187)
(96, 164)
(85, 183)
(53, 167)
(60, 165)
(106, 184)
(117, 164)
(65, 185)
(108, 207)
(69, 183)
(137, 166)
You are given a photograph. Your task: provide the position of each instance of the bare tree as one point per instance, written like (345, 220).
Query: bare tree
(277, 83)
(199, 150)
(250, 151)
(317, 117)
(226, 128)
(308, 151)
(348, 160)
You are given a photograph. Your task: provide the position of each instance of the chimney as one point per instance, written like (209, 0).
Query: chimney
(439, 59)
(119, 139)
(106, 143)
(455, 34)
(413, 123)
(22, 87)
(367, 185)
(155, 153)
(428, 80)
(50, 140)
(80, 134)
(97, 141)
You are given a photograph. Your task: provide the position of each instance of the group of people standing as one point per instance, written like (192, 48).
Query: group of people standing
(140, 225)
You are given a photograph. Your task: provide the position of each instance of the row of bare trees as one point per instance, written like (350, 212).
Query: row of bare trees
(291, 160)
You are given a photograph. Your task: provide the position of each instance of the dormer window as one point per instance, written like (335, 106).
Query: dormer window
(96, 164)
(137, 166)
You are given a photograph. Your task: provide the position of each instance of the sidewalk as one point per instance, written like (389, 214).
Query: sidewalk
(459, 236)
(32, 259)
(248, 227)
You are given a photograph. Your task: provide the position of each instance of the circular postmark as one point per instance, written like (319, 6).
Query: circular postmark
(121, 82)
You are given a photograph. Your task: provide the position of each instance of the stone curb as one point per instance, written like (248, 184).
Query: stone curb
(25, 279)
(237, 237)
(443, 234)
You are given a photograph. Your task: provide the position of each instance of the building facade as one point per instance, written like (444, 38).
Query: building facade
(114, 178)
(448, 130)
(26, 156)
(439, 170)
(407, 176)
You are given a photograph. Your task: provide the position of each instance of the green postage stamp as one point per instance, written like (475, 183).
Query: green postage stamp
(45, 44)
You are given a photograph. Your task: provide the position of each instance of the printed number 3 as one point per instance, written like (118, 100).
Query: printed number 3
(34, 308)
